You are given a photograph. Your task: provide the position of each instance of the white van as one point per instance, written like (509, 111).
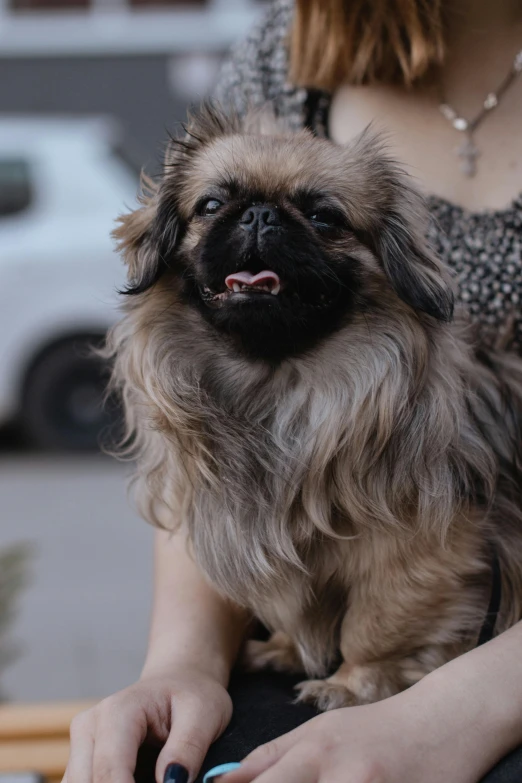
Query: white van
(62, 184)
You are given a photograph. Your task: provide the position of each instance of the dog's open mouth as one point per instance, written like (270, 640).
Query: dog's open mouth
(245, 284)
(267, 286)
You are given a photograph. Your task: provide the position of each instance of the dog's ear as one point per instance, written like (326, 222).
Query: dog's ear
(149, 236)
(413, 270)
(396, 226)
(146, 238)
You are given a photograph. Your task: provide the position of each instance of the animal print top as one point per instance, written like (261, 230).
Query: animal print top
(483, 249)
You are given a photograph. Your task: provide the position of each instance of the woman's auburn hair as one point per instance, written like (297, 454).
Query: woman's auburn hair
(335, 42)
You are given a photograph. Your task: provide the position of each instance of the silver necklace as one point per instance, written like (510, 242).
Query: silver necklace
(468, 152)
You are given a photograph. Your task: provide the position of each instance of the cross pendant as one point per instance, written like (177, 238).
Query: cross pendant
(468, 153)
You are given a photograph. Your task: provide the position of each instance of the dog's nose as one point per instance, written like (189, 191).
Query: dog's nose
(260, 218)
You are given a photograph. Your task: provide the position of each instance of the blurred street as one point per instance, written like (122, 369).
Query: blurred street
(82, 625)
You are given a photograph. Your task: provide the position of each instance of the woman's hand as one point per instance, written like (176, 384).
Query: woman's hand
(378, 743)
(454, 725)
(186, 710)
(181, 700)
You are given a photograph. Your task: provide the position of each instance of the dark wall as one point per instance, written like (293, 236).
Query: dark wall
(135, 89)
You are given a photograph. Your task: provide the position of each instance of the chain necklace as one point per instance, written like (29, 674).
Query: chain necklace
(468, 151)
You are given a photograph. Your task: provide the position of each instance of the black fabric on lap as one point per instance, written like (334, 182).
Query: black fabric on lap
(509, 770)
(263, 710)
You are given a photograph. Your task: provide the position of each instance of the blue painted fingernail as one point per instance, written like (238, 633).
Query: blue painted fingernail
(175, 773)
(221, 770)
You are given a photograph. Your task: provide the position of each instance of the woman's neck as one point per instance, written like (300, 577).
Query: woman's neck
(481, 14)
(482, 38)
(468, 19)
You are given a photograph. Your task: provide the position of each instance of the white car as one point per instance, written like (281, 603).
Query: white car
(62, 184)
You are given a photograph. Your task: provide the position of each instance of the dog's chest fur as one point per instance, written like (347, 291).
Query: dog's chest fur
(271, 457)
(270, 488)
(260, 499)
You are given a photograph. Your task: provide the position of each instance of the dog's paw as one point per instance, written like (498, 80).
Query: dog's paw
(351, 686)
(325, 695)
(278, 653)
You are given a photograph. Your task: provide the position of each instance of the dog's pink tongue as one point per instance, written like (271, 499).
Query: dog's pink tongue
(266, 278)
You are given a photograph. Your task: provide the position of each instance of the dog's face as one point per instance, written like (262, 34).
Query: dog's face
(277, 240)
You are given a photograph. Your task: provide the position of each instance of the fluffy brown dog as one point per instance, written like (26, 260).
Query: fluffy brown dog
(298, 396)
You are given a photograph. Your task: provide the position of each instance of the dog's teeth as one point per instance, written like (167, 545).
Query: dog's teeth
(275, 290)
(236, 287)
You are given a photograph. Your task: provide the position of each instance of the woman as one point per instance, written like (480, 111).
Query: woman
(404, 64)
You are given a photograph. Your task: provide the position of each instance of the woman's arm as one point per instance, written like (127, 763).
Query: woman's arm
(471, 708)
(191, 623)
(452, 727)
(181, 700)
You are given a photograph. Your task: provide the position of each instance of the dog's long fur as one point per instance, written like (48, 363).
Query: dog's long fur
(350, 494)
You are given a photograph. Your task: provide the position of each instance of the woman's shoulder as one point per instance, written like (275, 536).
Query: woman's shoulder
(256, 70)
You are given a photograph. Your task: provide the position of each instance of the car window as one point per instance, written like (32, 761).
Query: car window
(15, 186)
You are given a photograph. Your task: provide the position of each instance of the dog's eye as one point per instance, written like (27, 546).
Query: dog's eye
(209, 207)
(325, 218)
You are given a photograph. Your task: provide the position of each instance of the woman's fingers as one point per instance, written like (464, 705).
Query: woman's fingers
(263, 758)
(117, 740)
(79, 766)
(193, 731)
(291, 768)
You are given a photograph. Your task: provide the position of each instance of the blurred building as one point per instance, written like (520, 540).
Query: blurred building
(140, 61)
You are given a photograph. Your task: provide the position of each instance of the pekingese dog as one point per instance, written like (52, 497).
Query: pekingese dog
(297, 393)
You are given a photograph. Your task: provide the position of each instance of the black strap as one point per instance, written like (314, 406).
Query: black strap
(488, 626)
(316, 111)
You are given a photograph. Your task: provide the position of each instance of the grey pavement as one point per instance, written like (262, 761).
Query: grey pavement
(82, 625)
